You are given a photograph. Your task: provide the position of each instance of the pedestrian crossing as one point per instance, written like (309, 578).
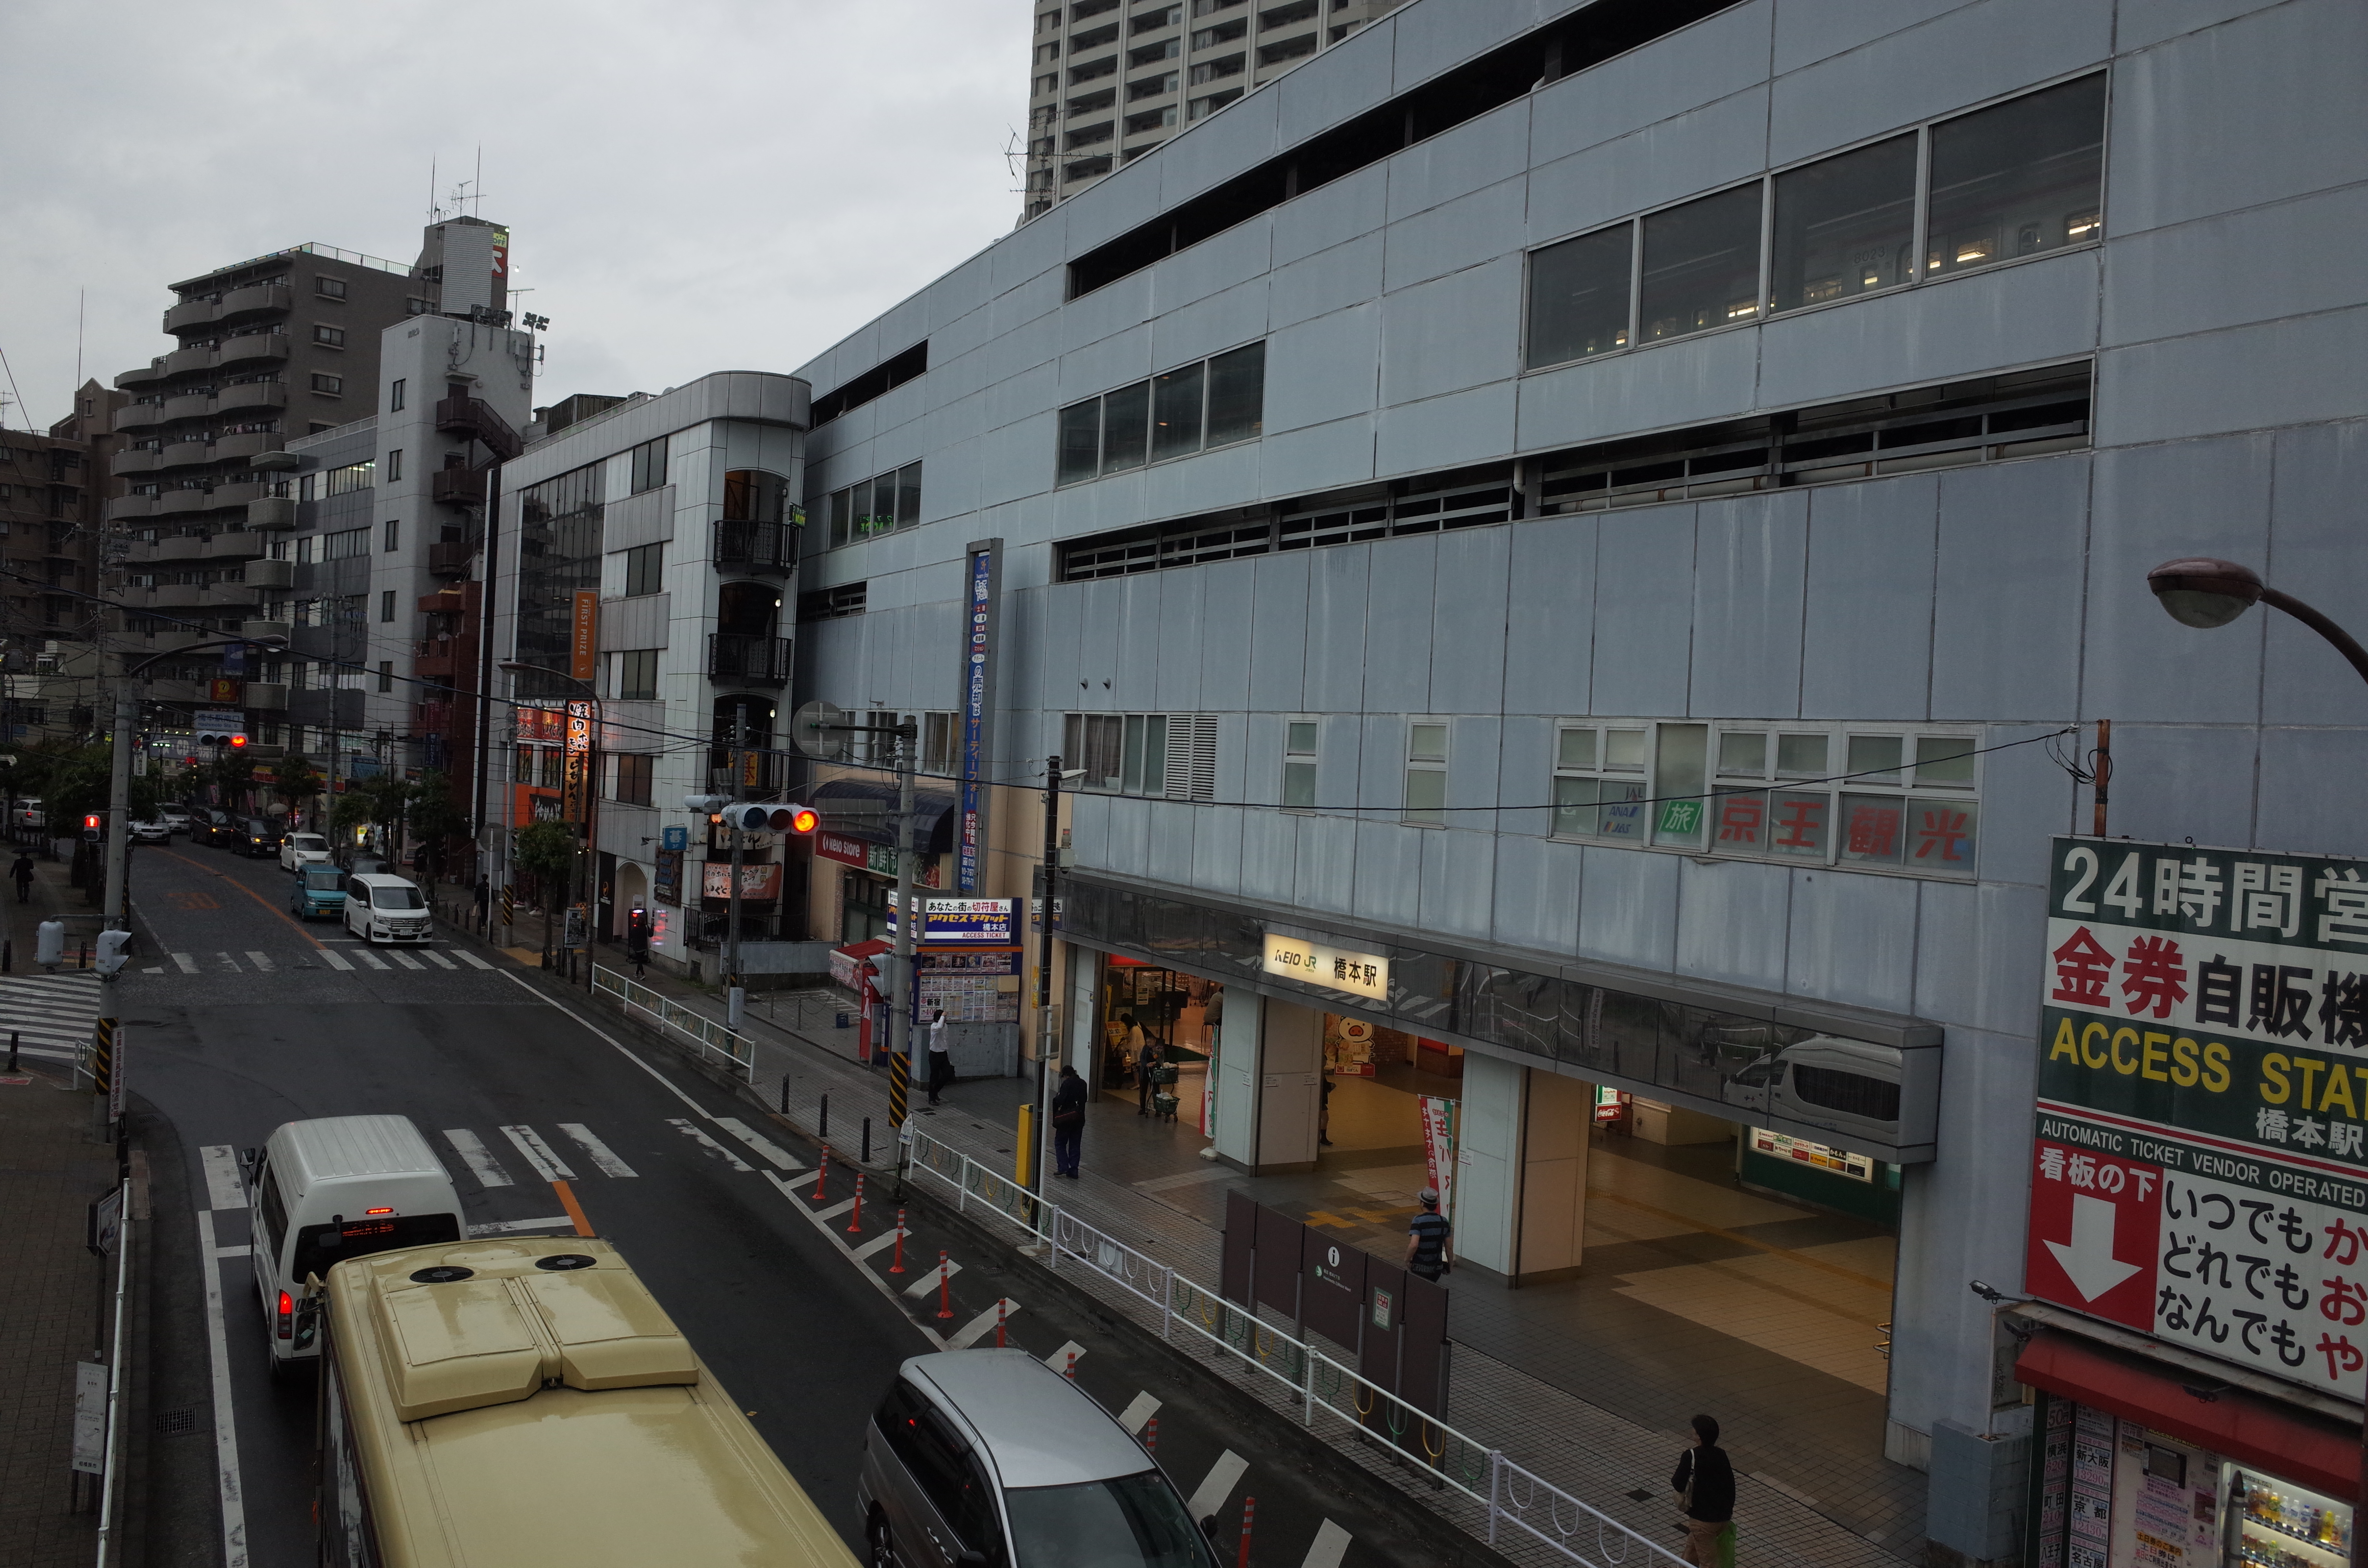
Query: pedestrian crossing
(417, 960)
(51, 1016)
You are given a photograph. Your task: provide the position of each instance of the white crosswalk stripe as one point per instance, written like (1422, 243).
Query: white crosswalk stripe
(1217, 1485)
(262, 962)
(878, 1243)
(335, 960)
(188, 965)
(438, 960)
(50, 1014)
(604, 1159)
(780, 1158)
(547, 1165)
(1068, 1356)
(224, 1187)
(371, 959)
(1142, 1408)
(477, 1157)
(1331, 1543)
(406, 961)
(929, 1281)
(979, 1327)
(473, 960)
(229, 963)
(708, 1144)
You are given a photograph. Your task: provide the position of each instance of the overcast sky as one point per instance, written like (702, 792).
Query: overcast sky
(691, 185)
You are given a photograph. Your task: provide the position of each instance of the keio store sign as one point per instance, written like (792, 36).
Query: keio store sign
(2200, 1171)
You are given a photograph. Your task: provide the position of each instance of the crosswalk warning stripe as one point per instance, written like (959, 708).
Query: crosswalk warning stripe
(334, 960)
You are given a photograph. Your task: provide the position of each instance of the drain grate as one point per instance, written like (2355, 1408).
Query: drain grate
(1642, 1495)
(180, 1423)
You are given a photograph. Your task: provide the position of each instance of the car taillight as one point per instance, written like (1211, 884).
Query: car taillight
(286, 1315)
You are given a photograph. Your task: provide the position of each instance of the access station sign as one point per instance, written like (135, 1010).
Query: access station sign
(2199, 1164)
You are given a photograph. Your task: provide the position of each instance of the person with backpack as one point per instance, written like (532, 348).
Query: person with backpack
(1068, 1122)
(1704, 1483)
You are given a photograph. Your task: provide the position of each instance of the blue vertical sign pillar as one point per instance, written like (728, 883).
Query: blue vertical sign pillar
(981, 629)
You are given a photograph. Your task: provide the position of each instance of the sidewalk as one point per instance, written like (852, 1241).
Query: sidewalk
(1515, 1377)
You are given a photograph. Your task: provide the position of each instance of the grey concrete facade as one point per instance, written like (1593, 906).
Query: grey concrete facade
(1999, 600)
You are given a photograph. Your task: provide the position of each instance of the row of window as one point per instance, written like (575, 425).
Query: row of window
(343, 545)
(876, 506)
(2018, 178)
(339, 481)
(1170, 756)
(1211, 402)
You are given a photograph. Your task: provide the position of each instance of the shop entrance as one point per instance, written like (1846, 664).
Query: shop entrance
(1159, 1030)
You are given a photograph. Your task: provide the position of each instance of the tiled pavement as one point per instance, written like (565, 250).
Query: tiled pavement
(1588, 1382)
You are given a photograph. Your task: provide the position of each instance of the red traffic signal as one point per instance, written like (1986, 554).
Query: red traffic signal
(804, 818)
(90, 820)
(236, 742)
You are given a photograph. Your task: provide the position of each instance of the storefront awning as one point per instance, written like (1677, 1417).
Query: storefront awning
(933, 814)
(2279, 1438)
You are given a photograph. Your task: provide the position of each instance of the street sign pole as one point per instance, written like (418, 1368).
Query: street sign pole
(735, 993)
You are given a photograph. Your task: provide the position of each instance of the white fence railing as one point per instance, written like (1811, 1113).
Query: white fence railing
(715, 1043)
(1306, 1378)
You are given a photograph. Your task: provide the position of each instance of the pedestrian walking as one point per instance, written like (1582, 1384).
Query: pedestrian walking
(1428, 1235)
(1068, 1122)
(1704, 1483)
(1146, 1065)
(23, 871)
(942, 1061)
(1324, 1113)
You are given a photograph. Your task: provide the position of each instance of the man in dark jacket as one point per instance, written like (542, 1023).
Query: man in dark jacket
(1706, 1487)
(23, 871)
(1068, 1122)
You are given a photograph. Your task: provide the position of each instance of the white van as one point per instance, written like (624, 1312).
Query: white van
(338, 1188)
(1846, 1086)
(386, 908)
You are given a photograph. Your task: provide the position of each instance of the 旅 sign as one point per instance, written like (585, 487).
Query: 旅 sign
(2199, 1169)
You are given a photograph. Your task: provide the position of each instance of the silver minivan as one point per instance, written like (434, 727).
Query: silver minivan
(989, 1459)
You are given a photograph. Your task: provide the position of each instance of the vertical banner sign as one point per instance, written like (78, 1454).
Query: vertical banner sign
(2200, 1161)
(576, 797)
(980, 631)
(1439, 1149)
(584, 637)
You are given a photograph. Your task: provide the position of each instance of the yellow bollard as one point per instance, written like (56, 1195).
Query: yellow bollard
(1023, 1155)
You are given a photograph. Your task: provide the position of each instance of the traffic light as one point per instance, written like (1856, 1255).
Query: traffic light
(236, 742)
(804, 818)
(91, 824)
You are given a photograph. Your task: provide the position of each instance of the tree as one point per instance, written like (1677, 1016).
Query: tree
(296, 780)
(545, 851)
(436, 817)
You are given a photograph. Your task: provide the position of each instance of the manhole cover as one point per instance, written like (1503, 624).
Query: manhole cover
(178, 1423)
(1642, 1495)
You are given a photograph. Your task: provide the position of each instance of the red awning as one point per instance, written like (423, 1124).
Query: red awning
(865, 949)
(2279, 1438)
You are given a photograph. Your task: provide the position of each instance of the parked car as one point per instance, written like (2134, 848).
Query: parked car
(384, 908)
(211, 825)
(175, 816)
(301, 849)
(155, 830)
(26, 814)
(256, 836)
(319, 891)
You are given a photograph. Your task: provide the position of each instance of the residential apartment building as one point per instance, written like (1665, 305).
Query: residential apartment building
(51, 492)
(1111, 79)
(1581, 550)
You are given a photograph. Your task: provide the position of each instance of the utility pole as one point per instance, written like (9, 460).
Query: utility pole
(483, 769)
(1046, 1045)
(113, 911)
(736, 994)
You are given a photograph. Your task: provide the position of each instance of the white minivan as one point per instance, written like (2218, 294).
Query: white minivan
(337, 1188)
(383, 908)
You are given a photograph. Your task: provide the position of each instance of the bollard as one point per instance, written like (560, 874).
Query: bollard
(897, 1265)
(86, 957)
(855, 1221)
(12, 1051)
(822, 1175)
(998, 1322)
(1069, 1366)
(945, 1288)
(7, 956)
(1151, 1436)
(867, 1139)
(824, 1130)
(785, 1094)
(1249, 1512)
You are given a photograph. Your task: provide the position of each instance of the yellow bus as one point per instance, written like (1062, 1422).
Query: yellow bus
(527, 1401)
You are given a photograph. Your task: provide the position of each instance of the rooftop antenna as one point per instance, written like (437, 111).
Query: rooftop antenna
(479, 181)
(434, 211)
(80, 295)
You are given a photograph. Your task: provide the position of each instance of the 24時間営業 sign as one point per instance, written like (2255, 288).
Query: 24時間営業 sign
(2200, 1169)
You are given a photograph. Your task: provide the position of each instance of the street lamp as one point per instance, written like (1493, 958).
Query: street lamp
(514, 669)
(2205, 593)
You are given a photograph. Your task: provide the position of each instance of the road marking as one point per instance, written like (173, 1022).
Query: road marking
(1143, 1406)
(477, 1157)
(1068, 1356)
(880, 1243)
(334, 960)
(547, 1165)
(261, 961)
(510, 1227)
(1331, 1543)
(599, 1033)
(937, 1341)
(438, 960)
(229, 963)
(188, 964)
(234, 1252)
(158, 969)
(604, 1159)
(371, 959)
(711, 1145)
(405, 960)
(473, 960)
(575, 1210)
(930, 1281)
(1217, 1485)
(227, 1482)
(979, 1327)
(771, 1151)
(836, 1210)
(224, 1187)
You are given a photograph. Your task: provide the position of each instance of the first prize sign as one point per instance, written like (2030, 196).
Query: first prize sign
(2200, 1169)
(1334, 969)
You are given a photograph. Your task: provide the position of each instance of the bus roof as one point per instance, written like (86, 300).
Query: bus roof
(535, 1411)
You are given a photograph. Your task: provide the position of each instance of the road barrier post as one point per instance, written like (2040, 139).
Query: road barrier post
(1249, 1513)
(12, 1051)
(822, 1175)
(998, 1322)
(823, 1130)
(945, 1288)
(1151, 1436)
(900, 1089)
(897, 1267)
(1069, 1366)
(867, 1139)
(785, 1094)
(855, 1221)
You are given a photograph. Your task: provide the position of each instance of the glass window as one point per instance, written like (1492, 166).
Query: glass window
(1176, 412)
(649, 465)
(1702, 265)
(329, 288)
(332, 384)
(1873, 826)
(1080, 448)
(1126, 427)
(386, 605)
(754, 495)
(882, 516)
(1677, 768)
(1133, 1521)
(1941, 837)
(1578, 297)
(394, 534)
(637, 674)
(1800, 756)
(1426, 775)
(1299, 764)
(1574, 802)
(1874, 760)
(394, 396)
(1944, 762)
(1845, 225)
(908, 495)
(1130, 779)
(331, 336)
(1237, 394)
(2018, 178)
(1742, 753)
(1575, 748)
(645, 570)
(1624, 750)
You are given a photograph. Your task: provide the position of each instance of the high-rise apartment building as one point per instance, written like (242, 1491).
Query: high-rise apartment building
(1111, 80)
(50, 501)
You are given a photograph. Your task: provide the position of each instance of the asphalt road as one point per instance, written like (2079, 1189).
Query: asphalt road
(238, 1019)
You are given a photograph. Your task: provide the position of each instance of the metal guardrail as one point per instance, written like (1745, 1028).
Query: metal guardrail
(713, 1040)
(1509, 1494)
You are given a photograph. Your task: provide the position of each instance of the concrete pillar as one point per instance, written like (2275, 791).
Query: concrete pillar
(1557, 1127)
(1234, 1078)
(1267, 1073)
(1521, 1200)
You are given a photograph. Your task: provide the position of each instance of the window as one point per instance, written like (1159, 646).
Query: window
(645, 570)
(937, 747)
(649, 465)
(833, 603)
(341, 546)
(1298, 738)
(394, 531)
(329, 288)
(1578, 297)
(891, 500)
(395, 395)
(1597, 779)
(636, 678)
(343, 481)
(1169, 754)
(1151, 21)
(632, 779)
(1844, 226)
(2018, 178)
(1223, 32)
(386, 674)
(1153, 120)
(1217, 70)
(394, 466)
(1152, 86)
(334, 386)
(1211, 402)
(1426, 774)
(1700, 265)
(386, 605)
(329, 337)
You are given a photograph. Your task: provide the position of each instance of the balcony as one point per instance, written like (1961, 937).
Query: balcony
(185, 454)
(240, 303)
(747, 661)
(141, 375)
(251, 394)
(249, 443)
(139, 416)
(267, 696)
(768, 548)
(177, 691)
(181, 361)
(222, 496)
(137, 460)
(190, 405)
(266, 573)
(241, 544)
(270, 514)
(457, 487)
(234, 596)
(123, 509)
(450, 559)
(179, 548)
(192, 314)
(265, 631)
(248, 347)
(445, 659)
(476, 418)
(175, 595)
